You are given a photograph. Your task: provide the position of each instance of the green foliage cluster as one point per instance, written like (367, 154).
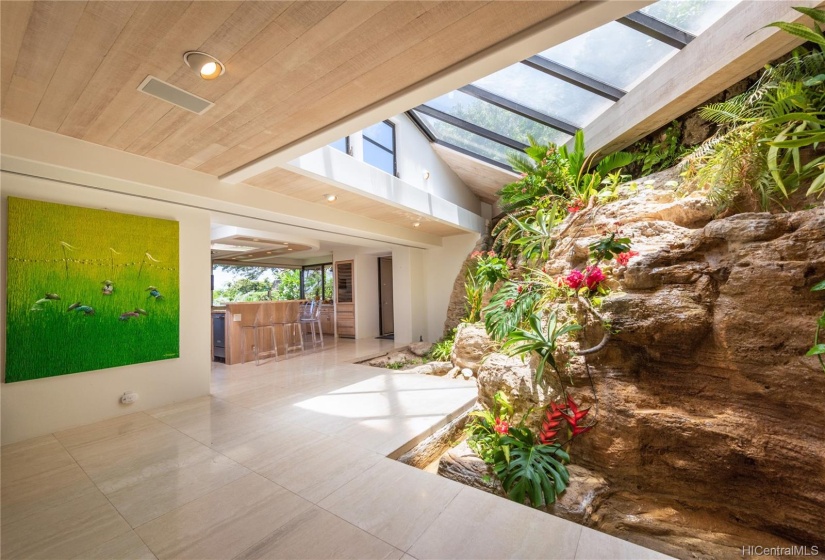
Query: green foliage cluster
(818, 349)
(250, 284)
(661, 155)
(770, 140)
(441, 350)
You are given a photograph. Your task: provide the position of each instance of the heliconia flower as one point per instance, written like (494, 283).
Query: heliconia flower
(574, 279)
(502, 426)
(593, 276)
(624, 258)
(509, 303)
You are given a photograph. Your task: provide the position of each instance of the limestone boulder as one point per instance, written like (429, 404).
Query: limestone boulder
(421, 349)
(472, 344)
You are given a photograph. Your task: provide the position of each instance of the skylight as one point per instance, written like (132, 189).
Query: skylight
(549, 96)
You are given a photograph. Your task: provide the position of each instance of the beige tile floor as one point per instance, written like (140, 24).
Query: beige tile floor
(284, 460)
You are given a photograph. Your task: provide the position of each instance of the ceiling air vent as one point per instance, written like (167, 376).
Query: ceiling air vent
(174, 95)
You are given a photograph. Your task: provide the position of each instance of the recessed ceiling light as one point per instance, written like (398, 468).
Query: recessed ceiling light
(330, 197)
(269, 252)
(289, 249)
(206, 66)
(416, 224)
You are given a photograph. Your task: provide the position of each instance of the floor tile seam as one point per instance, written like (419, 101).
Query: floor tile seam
(276, 529)
(434, 521)
(107, 438)
(102, 493)
(367, 531)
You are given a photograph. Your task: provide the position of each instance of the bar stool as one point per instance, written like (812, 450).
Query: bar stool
(287, 316)
(312, 319)
(261, 322)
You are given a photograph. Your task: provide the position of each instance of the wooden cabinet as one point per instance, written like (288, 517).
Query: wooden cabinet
(345, 299)
(327, 319)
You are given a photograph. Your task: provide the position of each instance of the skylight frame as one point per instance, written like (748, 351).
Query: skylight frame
(639, 22)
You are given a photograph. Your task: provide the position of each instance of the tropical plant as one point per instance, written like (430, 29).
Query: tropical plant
(508, 308)
(608, 247)
(489, 269)
(760, 148)
(541, 341)
(818, 349)
(656, 156)
(485, 428)
(473, 296)
(533, 238)
(529, 469)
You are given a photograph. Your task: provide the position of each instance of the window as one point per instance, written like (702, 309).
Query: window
(379, 146)
(316, 281)
(341, 145)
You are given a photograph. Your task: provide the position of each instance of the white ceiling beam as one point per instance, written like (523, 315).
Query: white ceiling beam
(572, 22)
(733, 48)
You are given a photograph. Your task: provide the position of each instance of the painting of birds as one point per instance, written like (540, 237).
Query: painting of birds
(140, 311)
(129, 315)
(74, 306)
(153, 292)
(108, 287)
(85, 309)
(51, 296)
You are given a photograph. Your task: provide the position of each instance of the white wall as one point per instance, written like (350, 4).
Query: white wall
(443, 265)
(409, 294)
(41, 406)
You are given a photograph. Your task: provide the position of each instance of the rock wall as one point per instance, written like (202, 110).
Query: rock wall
(711, 422)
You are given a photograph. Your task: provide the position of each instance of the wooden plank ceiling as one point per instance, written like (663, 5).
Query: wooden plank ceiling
(299, 186)
(292, 67)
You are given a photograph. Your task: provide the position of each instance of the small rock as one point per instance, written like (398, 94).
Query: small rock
(466, 372)
(454, 373)
(421, 349)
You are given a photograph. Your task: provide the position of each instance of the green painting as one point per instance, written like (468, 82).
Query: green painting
(88, 289)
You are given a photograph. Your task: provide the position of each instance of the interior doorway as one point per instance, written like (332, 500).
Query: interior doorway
(386, 320)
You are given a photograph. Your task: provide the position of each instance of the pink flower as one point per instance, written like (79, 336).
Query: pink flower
(522, 175)
(575, 206)
(520, 288)
(509, 303)
(624, 258)
(574, 279)
(491, 253)
(502, 426)
(476, 255)
(593, 276)
(524, 190)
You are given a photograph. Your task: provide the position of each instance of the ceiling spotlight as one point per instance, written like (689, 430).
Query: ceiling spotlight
(426, 174)
(330, 197)
(206, 66)
(289, 249)
(416, 224)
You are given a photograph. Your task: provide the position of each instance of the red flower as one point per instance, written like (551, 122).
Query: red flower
(593, 276)
(520, 288)
(476, 255)
(574, 279)
(502, 426)
(550, 425)
(624, 258)
(509, 303)
(491, 253)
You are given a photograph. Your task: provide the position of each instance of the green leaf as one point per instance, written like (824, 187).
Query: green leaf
(818, 286)
(816, 350)
(799, 30)
(813, 13)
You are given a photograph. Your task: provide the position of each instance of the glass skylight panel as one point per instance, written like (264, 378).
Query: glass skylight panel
(381, 133)
(613, 53)
(693, 16)
(464, 139)
(544, 93)
(493, 118)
